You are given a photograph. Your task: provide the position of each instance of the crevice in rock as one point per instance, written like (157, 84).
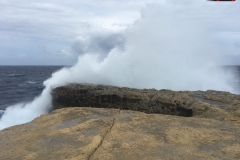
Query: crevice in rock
(108, 131)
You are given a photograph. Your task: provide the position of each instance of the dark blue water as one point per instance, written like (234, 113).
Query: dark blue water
(22, 83)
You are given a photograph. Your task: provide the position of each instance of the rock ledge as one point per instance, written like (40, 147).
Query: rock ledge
(210, 104)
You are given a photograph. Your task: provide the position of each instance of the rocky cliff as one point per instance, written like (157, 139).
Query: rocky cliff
(210, 104)
(91, 122)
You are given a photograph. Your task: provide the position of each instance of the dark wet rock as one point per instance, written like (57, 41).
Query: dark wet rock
(210, 104)
(200, 96)
(148, 101)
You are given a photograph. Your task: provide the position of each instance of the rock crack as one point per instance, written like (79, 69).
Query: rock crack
(108, 131)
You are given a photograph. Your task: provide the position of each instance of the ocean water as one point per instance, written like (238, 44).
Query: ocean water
(22, 83)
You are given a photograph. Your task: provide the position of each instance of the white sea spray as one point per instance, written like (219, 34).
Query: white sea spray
(162, 50)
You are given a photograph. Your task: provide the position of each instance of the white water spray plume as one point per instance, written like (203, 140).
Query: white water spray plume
(162, 50)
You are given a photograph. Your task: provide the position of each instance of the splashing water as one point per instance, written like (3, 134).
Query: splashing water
(162, 50)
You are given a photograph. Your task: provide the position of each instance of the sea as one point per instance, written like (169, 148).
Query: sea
(24, 83)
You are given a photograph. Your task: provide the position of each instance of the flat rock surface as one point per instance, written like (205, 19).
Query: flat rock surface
(108, 122)
(114, 134)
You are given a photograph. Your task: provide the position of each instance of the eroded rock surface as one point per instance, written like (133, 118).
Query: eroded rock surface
(114, 134)
(210, 104)
(206, 126)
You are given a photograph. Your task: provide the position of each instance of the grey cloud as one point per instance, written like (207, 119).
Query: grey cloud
(98, 43)
(237, 44)
(56, 19)
(62, 53)
(62, 21)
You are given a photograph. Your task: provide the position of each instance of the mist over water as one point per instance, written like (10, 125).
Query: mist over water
(162, 50)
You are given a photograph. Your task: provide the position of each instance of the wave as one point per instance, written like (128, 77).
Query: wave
(15, 75)
(1, 113)
(162, 50)
(31, 82)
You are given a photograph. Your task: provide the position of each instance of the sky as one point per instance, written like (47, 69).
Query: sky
(56, 32)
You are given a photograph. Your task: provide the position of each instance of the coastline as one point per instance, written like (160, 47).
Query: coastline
(107, 127)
